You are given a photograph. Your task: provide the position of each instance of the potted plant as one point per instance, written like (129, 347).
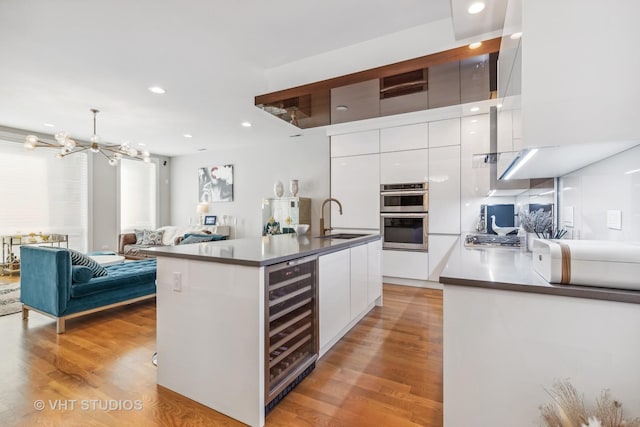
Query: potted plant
(539, 224)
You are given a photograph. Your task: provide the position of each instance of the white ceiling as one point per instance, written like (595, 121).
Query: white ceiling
(60, 58)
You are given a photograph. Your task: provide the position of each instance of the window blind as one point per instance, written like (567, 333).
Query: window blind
(138, 195)
(40, 193)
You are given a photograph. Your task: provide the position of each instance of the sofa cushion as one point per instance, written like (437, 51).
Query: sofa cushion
(134, 250)
(80, 274)
(139, 236)
(78, 258)
(119, 276)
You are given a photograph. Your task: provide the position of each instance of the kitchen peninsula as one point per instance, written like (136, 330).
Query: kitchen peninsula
(509, 336)
(239, 322)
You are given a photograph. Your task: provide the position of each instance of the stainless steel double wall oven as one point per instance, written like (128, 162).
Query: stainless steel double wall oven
(404, 216)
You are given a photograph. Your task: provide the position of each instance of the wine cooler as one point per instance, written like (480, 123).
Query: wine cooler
(291, 333)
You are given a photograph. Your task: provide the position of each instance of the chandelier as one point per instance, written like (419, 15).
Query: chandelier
(66, 146)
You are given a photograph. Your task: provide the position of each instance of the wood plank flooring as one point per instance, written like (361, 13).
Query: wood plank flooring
(387, 371)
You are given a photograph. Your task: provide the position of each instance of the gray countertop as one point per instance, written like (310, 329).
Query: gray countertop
(511, 269)
(260, 251)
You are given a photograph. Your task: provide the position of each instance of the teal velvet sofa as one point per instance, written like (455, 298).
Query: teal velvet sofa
(47, 285)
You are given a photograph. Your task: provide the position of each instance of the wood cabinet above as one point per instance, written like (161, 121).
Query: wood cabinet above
(412, 85)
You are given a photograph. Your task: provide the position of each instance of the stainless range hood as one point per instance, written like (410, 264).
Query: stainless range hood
(497, 187)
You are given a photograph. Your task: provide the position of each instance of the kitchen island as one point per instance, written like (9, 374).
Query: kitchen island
(509, 336)
(241, 321)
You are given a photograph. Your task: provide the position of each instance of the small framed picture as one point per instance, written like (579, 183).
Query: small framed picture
(210, 220)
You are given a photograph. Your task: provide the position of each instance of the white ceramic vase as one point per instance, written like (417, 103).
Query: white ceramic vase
(278, 189)
(293, 187)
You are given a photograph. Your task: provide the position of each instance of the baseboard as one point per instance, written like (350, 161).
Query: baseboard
(412, 282)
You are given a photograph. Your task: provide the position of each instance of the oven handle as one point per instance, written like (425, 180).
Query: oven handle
(403, 192)
(404, 215)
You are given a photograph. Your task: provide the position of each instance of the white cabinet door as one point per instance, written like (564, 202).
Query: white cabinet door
(355, 182)
(352, 144)
(411, 137)
(404, 166)
(439, 248)
(358, 280)
(405, 264)
(444, 132)
(474, 171)
(444, 190)
(334, 294)
(374, 273)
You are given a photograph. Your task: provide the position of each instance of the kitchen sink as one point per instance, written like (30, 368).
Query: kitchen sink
(342, 236)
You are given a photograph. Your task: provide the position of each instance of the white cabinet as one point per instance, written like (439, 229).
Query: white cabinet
(411, 137)
(444, 132)
(374, 272)
(475, 176)
(405, 264)
(404, 166)
(444, 190)
(355, 182)
(351, 144)
(565, 101)
(334, 294)
(358, 296)
(439, 248)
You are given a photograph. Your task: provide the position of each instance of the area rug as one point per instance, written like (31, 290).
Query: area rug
(10, 298)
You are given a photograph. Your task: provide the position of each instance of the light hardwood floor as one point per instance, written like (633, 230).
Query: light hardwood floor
(387, 371)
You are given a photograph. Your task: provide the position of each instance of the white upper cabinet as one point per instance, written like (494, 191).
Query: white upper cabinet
(355, 182)
(444, 133)
(352, 144)
(411, 137)
(404, 166)
(580, 72)
(444, 190)
(475, 178)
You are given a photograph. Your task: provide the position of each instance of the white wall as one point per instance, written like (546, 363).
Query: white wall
(256, 167)
(599, 187)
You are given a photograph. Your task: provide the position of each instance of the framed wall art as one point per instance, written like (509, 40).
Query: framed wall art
(215, 184)
(210, 220)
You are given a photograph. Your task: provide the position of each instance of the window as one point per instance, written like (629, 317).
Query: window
(138, 195)
(40, 193)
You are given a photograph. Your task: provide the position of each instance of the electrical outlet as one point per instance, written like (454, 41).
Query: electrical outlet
(177, 281)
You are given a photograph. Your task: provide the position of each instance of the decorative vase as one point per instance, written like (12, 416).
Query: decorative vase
(293, 187)
(278, 189)
(531, 237)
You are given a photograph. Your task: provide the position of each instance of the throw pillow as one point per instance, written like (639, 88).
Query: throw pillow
(80, 274)
(152, 237)
(139, 236)
(212, 236)
(194, 238)
(78, 258)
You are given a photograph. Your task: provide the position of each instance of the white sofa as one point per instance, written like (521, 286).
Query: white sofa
(172, 235)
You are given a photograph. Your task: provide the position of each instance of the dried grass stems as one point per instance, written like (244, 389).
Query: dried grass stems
(568, 409)
(541, 223)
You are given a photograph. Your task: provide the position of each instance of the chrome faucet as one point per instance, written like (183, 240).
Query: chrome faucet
(323, 230)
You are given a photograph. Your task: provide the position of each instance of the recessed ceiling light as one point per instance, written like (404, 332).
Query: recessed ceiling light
(246, 124)
(474, 109)
(188, 135)
(499, 106)
(157, 89)
(342, 108)
(475, 45)
(473, 132)
(515, 36)
(142, 144)
(476, 7)
(49, 125)
(474, 121)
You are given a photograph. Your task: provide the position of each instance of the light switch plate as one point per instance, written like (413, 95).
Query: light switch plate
(614, 219)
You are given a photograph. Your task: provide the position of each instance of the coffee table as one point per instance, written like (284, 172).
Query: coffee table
(105, 260)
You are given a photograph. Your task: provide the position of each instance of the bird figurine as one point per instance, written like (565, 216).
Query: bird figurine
(501, 231)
